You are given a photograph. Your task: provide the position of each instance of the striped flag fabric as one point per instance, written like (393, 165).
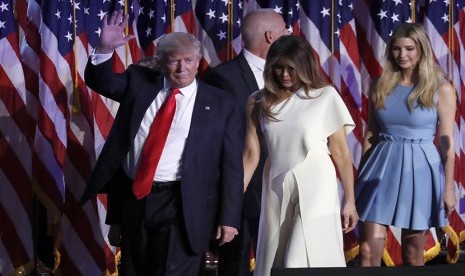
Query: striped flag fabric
(218, 29)
(64, 145)
(63, 141)
(155, 18)
(54, 127)
(16, 131)
(98, 110)
(459, 27)
(375, 30)
(441, 22)
(153, 21)
(288, 9)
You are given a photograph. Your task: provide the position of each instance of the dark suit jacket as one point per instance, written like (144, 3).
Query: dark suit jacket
(237, 77)
(212, 175)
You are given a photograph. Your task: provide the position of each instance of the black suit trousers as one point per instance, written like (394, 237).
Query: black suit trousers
(154, 240)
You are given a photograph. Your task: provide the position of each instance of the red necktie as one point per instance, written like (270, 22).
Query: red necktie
(153, 147)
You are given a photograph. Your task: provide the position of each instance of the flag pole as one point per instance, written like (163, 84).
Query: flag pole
(126, 33)
(451, 44)
(76, 107)
(230, 30)
(331, 64)
(412, 10)
(172, 16)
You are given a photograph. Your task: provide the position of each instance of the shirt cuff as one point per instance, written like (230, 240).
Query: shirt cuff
(97, 59)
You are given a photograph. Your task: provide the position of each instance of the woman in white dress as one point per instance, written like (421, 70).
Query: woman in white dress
(305, 123)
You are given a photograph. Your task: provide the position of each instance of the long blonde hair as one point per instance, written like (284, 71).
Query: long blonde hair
(429, 75)
(299, 52)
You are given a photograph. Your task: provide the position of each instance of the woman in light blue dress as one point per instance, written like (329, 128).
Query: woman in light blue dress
(405, 180)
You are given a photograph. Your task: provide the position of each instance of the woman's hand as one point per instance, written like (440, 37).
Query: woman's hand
(449, 200)
(349, 217)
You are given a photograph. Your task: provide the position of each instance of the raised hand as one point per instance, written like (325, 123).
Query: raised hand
(112, 35)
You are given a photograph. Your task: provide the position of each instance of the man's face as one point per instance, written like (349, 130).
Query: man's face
(180, 67)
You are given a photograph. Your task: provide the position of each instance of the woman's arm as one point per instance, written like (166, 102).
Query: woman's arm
(341, 156)
(446, 110)
(251, 154)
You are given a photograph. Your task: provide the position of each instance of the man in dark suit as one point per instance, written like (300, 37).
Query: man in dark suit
(242, 76)
(197, 183)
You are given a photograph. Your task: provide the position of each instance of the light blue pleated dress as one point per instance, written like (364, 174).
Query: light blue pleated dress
(402, 181)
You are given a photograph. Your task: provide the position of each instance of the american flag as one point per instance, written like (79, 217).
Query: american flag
(16, 131)
(155, 18)
(59, 37)
(288, 9)
(459, 28)
(63, 141)
(218, 29)
(153, 21)
(442, 24)
(53, 127)
(374, 32)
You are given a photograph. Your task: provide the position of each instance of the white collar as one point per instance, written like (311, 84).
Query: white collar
(186, 90)
(254, 60)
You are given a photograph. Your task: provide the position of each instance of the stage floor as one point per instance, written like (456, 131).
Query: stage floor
(438, 266)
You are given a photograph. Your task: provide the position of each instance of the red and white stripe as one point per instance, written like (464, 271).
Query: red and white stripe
(65, 150)
(459, 29)
(16, 130)
(448, 50)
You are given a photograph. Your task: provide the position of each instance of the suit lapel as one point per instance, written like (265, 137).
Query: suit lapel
(202, 106)
(201, 117)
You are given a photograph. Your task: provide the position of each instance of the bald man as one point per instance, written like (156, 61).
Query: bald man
(242, 76)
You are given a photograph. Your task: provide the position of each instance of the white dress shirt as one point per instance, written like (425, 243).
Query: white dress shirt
(257, 64)
(170, 164)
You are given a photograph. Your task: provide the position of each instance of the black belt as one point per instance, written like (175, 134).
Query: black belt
(161, 186)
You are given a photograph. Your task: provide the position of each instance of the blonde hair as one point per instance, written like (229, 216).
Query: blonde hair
(429, 75)
(299, 52)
